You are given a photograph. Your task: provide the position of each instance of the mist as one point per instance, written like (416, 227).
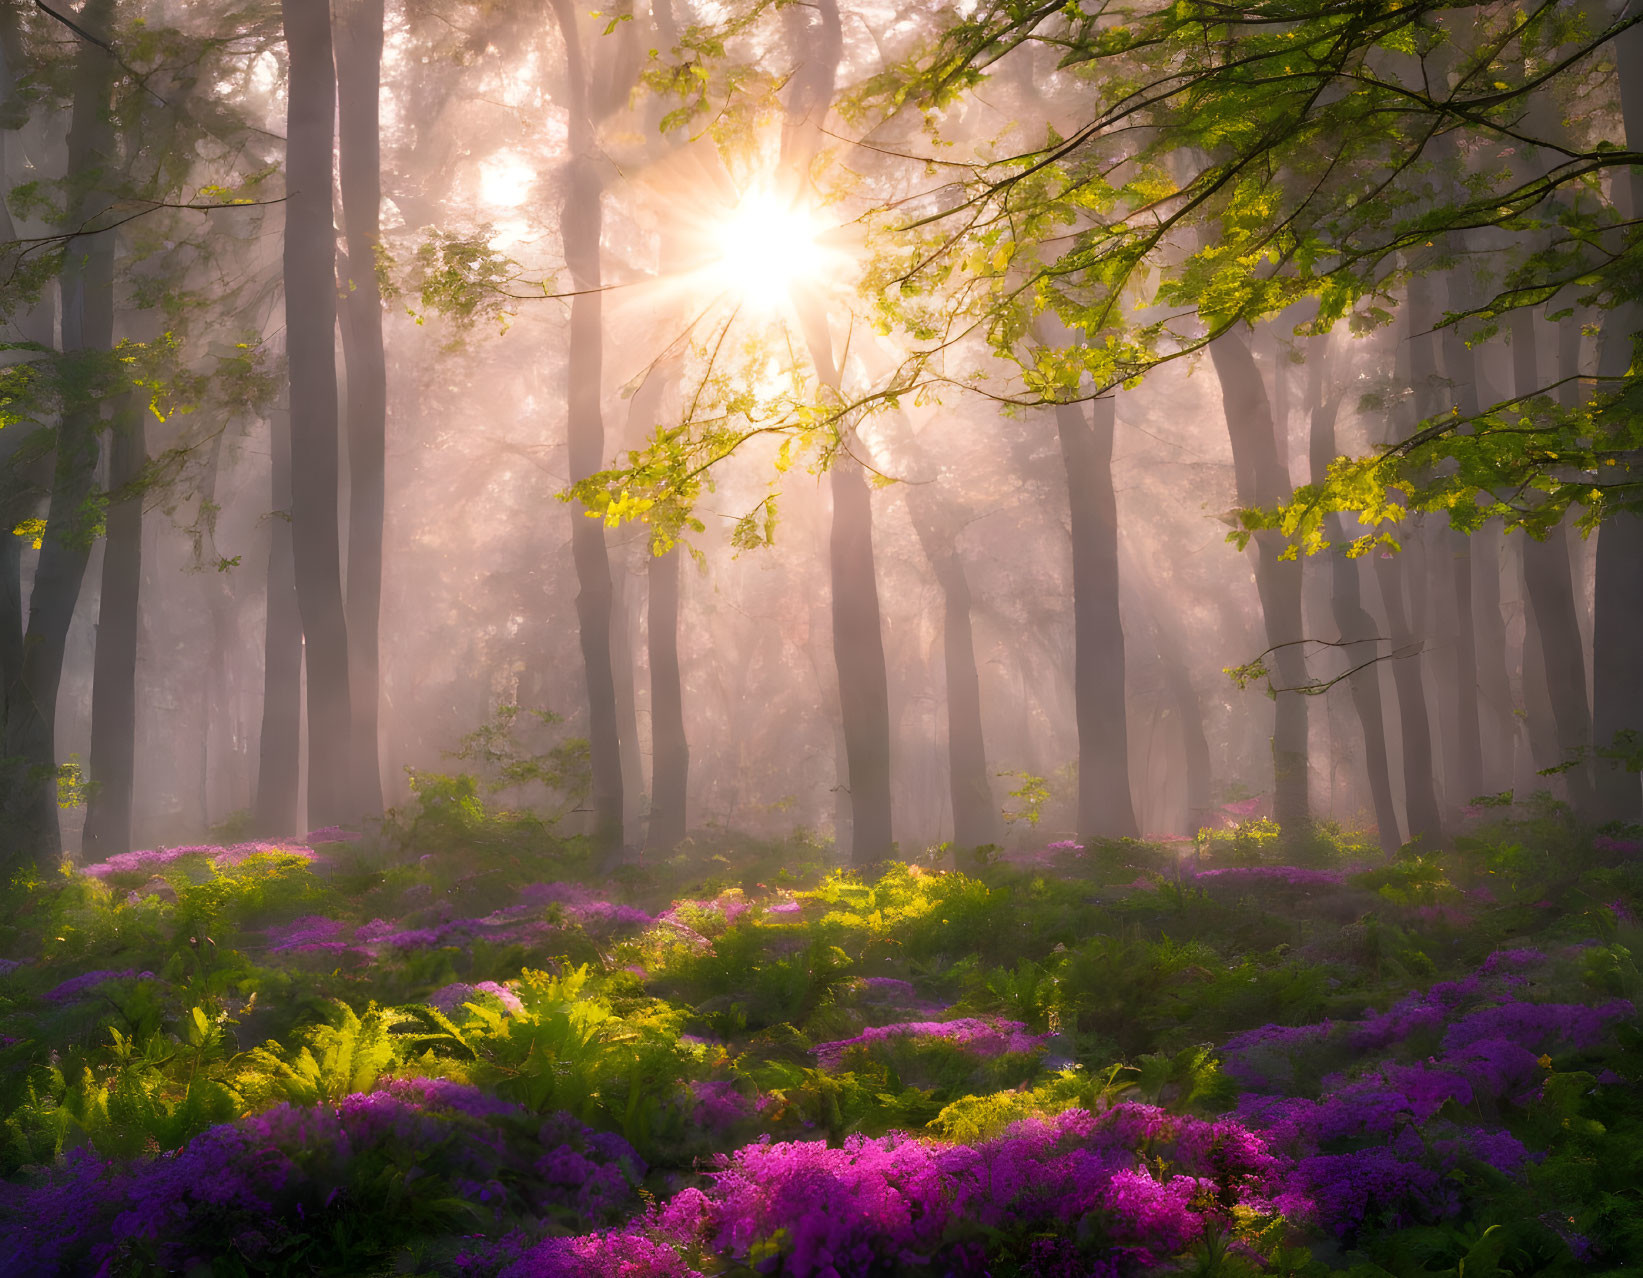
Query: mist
(697, 458)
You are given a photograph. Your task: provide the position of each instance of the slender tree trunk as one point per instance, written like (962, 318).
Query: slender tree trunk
(975, 814)
(278, 774)
(1357, 630)
(28, 798)
(1105, 806)
(579, 224)
(1477, 591)
(1189, 712)
(1449, 573)
(1420, 797)
(858, 649)
(1263, 480)
(359, 79)
(623, 617)
(311, 323)
(858, 639)
(1617, 668)
(114, 688)
(1617, 623)
(1550, 591)
(670, 760)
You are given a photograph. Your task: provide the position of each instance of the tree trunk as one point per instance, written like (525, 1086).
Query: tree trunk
(623, 619)
(858, 640)
(311, 323)
(1550, 590)
(580, 223)
(1482, 639)
(1617, 655)
(278, 774)
(1449, 564)
(858, 650)
(670, 760)
(1357, 631)
(1263, 481)
(28, 790)
(359, 78)
(1477, 583)
(1105, 806)
(114, 686)
(1189, 712)
(975, 814)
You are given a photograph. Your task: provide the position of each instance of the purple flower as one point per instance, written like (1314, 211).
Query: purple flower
(150, 860)
(76, 986)
(720, 1106)
(1265, 1058)
(972, 1034)
(307, 930)
(1347, 1188)
(331, 834)
(449, 998)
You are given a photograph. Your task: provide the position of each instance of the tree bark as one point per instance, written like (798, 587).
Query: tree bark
(358, 29)
(975, 814)
(858, 650)
(1617, 623)
(858, 639)
(1550, 590)
(1357, 631)
(1105, 806)
(1449, 568)
(1263, 481)
(311, 323)
(623, 622)
(1189, 712)
(278, 773)
(580, 224)
(670, 759)
(114, 679)
(28, 788)
(1477, 590)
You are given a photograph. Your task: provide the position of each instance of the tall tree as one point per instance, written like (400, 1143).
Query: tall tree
(935, 523)
(358, 33)
(1617, 622)
(1357, 628)
(28, 802)
(1449, 575)
(1498, 726)
(1549, 587)
(279, 776)
(858, 636)
(1105, 808)
(1263, 480)
(670, 761)
(310, 328)
(113, 761)
(581, 218)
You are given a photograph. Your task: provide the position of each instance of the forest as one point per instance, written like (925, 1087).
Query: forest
(821, 638)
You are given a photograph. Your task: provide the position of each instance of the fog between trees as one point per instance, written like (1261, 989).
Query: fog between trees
(917, 519)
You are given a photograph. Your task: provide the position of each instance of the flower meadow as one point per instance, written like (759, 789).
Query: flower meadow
(453, 1050)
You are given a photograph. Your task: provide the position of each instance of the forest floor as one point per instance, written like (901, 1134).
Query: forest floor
(443, 1050)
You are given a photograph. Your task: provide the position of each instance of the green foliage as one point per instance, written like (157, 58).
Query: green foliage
(1251, 842)
(459, 276)
(343, 1054)
(1032, 794)
(450, 814)
(975, 1118)
(510, 761)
